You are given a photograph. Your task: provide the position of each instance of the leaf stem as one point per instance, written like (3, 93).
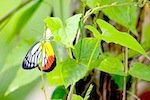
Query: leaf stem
(71, 92)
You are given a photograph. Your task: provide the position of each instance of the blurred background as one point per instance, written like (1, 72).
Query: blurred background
(22, 24)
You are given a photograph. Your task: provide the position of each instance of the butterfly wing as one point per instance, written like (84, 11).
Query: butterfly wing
(31, 59)
(48, 57)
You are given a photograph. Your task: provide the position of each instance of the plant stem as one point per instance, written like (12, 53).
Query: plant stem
(125, 70)
(115, 4)
(71, 92)
(43, 86)
(15, 10)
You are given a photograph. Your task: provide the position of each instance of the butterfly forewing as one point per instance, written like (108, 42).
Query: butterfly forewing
(31, 59)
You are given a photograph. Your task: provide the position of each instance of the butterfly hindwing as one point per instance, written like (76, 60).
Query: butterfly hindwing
(48, 57)
(31, 59)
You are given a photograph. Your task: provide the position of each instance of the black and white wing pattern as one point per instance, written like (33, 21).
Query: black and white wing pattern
(31, 59)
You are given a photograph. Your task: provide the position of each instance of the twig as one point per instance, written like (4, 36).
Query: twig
(125, 70)
(71, 92)
(115, 4)
(14, 10)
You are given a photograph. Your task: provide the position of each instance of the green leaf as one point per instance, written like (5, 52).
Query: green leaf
(86, 49)
(6, 77)
(54, 23)
(72, 72)
(59, 93)
(76, 97)
(112, 65)
(110, 34)
(124, 15)
(118, 80)
(95, 32)
(22, 91)
(140, 71)
(22, 78)
(67, 33)
(55, 77)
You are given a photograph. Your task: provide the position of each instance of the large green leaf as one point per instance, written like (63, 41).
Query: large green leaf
(112, 65)
(72, 72)
(22, 91)
(86, 49)
(140, 71)
(110, 34)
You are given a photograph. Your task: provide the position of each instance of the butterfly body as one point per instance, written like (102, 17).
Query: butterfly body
(40, 55)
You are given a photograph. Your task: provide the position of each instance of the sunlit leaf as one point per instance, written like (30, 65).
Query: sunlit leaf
(140, 71)
(110, 34)
(112, 65)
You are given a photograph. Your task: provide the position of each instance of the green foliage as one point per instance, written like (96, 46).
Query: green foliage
(112, 65)
(140, 71)
(75, 57)
(110, 34)
(66, 33)
(125, 15)
(17, 36)
(59, 93)
(86, 50)
(76, 97)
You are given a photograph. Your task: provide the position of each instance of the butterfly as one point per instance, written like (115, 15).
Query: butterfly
(41, 55)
